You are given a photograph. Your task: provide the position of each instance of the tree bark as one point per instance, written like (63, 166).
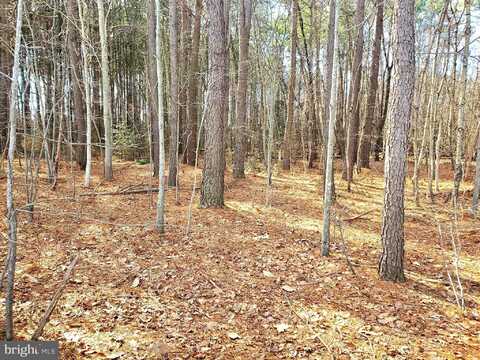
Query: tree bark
(212, 188)
(244, 24)
(392, 258)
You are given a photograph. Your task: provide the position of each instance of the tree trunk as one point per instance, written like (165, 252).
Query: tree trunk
(184, 69)
(192, 94)
(354, 101)
(459, 151)
(476, 188)
(287, 146)
(76, 76)
(244, 23)
(88, 97)
(366, 141)
(391, 261)
(173, 118)
(5, 68)
(327, 200)
(106, 93)
(160, 221)
(152, 85)
(213, 171)
(378, 147)
(11, 212)
(328, 87)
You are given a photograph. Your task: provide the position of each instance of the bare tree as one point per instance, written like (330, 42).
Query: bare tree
(332, 109)
(287, 140)
(88, 95)
(192, 94)
(160, 221)
(476, 188)
(366, 141)
(106, 93)
(244, 24)
(391, 261)
(354, 101)
(152, 82)
(11, 212)
(74, 47)
(173, 118)
(213, 171)
(459, 152)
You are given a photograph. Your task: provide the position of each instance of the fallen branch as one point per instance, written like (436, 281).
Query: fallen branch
(41, 325)
(124, 192)
(358, 216)
(338, 223)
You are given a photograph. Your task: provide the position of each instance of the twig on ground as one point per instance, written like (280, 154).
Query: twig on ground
(338, 223)
(358, 216)
(41, 325)
(122, 192)
(306, 322)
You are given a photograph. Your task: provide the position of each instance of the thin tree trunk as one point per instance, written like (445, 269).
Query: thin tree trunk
(106, 93)
(366, 141)
(192, 94)
(11, 212)
(476, 188)
(287, 140)
(88, 96)
(383, 115)
(76, 75)
(354, 98)
(160, 221)
(244, 24)
(173, 118)
(459, 151)
(327, 200)
(152, 85)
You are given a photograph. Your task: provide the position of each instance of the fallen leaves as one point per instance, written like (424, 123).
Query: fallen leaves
(288, 288)
(244, 284)
(136, 282)
(267, 274)
(282, 327)
(233, 335)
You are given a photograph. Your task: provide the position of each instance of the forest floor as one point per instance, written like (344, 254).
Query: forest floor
(249, 282)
